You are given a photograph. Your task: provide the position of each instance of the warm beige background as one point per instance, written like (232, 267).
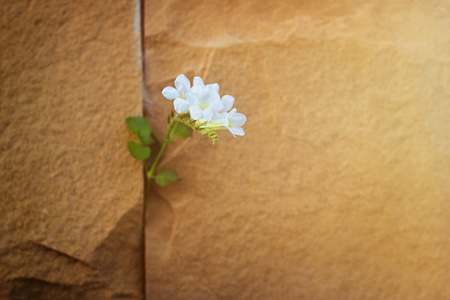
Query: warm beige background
(71, 196)
(340, 188)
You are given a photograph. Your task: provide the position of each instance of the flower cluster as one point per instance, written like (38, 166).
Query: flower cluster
(203, 108)
(199, 108)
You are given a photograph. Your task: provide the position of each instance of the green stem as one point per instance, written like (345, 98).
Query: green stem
(161, 151)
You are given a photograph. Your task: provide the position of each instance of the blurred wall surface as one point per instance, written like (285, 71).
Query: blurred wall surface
(71, 197)
(340, 187)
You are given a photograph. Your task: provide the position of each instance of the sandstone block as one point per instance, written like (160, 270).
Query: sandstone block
(339, 189)
(71, 197)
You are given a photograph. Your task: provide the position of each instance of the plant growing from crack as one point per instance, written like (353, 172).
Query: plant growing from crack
(197, 109)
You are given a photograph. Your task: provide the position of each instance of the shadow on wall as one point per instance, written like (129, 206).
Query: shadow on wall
(56, 275)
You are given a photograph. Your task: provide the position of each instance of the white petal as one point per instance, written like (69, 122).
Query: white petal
(198, 81)
(196, 90)
(192, 98)
(231, 113)
(196, 112)
(237, 120)
(204, 93)
(182, 84)
(215, 86)
(219, 120)
(208, 114)
(219, 116)
(209, 93)
(206, 96)
(228, 102)
(237, 131)
(215, 106)
(180, 105)
(170, 92)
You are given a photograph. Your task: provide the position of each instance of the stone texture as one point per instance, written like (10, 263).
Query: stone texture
(339, 190)
(71, 212)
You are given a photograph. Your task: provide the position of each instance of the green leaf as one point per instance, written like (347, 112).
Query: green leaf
(141, 128)
(181, 130)
(139, 152)
(139, 125)
(166, 176)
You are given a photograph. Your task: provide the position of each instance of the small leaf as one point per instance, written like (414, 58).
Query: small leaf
(182, 131)
(139, 152)
(166, 176)
(139, 126)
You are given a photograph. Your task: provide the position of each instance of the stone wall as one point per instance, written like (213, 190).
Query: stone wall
(71, 196)
(339, 189)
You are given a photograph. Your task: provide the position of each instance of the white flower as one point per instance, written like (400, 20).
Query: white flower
(205, 106)
(204, 103)
(231, 121)
(227, 102)
(183, 86)
(235, 121)
(218, 122)
(198, 85)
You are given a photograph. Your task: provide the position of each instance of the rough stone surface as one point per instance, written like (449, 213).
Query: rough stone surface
(340, 188)
(71, 197)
